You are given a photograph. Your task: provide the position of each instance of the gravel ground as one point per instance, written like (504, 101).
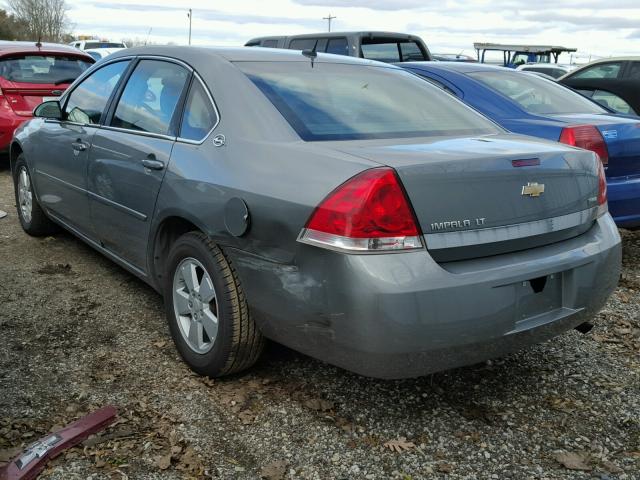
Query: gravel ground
(77, 333)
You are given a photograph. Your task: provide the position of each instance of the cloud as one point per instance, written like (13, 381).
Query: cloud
(208, 14)
(583, 22)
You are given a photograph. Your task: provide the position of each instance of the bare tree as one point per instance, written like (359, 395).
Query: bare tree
(44, 19)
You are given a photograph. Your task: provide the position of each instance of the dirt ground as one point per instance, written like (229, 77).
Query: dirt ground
(77, 333)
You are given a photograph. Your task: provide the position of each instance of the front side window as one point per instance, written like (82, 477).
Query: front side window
(88, 100)
(634, 71)
(270, 43)
(47, 69)
(536, 95)
(604, 70)
(199, 114)
(149, 100)
(345, 102)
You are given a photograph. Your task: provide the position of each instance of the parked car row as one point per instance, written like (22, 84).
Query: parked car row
(383, 218)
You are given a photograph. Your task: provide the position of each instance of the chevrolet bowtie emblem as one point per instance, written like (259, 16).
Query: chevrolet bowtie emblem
(533, 189)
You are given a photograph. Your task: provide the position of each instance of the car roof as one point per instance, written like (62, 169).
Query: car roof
(238, 54)
(545, 65)
(460, 67)
(361, 33)
(7, 48)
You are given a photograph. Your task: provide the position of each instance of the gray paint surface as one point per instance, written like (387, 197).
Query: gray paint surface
(384, 315)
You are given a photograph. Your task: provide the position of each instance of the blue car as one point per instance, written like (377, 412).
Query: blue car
(530, 105)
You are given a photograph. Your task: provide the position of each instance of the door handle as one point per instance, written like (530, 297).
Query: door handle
(152, 164)
(79, 146)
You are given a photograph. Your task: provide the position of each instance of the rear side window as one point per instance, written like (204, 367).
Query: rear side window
(604, 70)
(150, 97)
(391, 50)
(536, 95)
(332, 101)
(49, 69)
(199, 114)
(88, 100)
(303, 44)
(338, 46)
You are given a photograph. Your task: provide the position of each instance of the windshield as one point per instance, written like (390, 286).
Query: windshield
(88, 45)
(535, 94)
(329, 101)
(49, 69)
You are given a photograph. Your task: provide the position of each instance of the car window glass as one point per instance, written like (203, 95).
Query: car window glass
(49, 69)
(536, 95)
(344, 102)
(612, 101)
(383, 52)
(199, 114)
(149, 99)
(634, 71)
(270, 43)
(303, 44)
(89, 99)
(411, 52)
(338, 46)
(604, 70)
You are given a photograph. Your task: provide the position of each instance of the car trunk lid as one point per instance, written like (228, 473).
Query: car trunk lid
(23, 98)
(498, 188)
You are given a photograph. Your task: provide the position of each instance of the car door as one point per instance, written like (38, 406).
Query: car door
(129, 156)
(64, 145)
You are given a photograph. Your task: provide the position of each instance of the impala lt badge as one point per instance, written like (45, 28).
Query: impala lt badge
(533, 189)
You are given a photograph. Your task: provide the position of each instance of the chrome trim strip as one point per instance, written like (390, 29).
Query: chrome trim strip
(111, 203)
(138, 132)
(351, 246)
(215, 107)
(59, 180)
(483, 236)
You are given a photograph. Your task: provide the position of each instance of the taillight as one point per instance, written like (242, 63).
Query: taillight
(602, 190)
(587, 137)
(368, 213)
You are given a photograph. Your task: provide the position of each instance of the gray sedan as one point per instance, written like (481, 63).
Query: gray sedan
(342, 207)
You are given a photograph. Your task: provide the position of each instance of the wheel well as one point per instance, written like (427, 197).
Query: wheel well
(168, 232)
(14, 151)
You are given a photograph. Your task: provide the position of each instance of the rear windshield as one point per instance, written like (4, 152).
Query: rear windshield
(328, 101)
(391, 50)
(537, 95)
(88, 45)
(48, 69)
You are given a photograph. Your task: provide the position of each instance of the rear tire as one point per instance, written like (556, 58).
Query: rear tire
(206, 309)
(32, 218)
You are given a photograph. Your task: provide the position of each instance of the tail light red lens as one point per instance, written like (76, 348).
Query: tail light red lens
(369, 212)
(602, 186)
(587, 137)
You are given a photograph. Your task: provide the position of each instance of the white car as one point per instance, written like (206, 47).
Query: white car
(91, 44)
(100, 53)
(555, 70)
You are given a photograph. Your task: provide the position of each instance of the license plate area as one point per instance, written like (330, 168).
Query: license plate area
(538, 296)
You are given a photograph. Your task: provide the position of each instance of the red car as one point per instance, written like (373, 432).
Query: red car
(30, 74)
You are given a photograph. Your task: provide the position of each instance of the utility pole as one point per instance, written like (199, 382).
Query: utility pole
(190, 14)
(328, 19)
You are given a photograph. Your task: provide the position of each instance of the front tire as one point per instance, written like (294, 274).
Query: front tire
(207, 312)
(32, 218)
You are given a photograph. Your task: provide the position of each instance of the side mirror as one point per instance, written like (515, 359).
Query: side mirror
(50, 109)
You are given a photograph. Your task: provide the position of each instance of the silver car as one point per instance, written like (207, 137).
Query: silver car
(342, 207)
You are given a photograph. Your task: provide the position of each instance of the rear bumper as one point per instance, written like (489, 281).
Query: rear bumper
(403, 315)
(624, 200)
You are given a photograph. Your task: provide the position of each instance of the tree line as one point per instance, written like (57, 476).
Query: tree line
(33, 20)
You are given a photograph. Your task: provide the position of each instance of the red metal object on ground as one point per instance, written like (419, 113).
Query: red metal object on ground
(32, 460)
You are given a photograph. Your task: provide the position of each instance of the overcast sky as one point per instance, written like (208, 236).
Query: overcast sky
(594, 27)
